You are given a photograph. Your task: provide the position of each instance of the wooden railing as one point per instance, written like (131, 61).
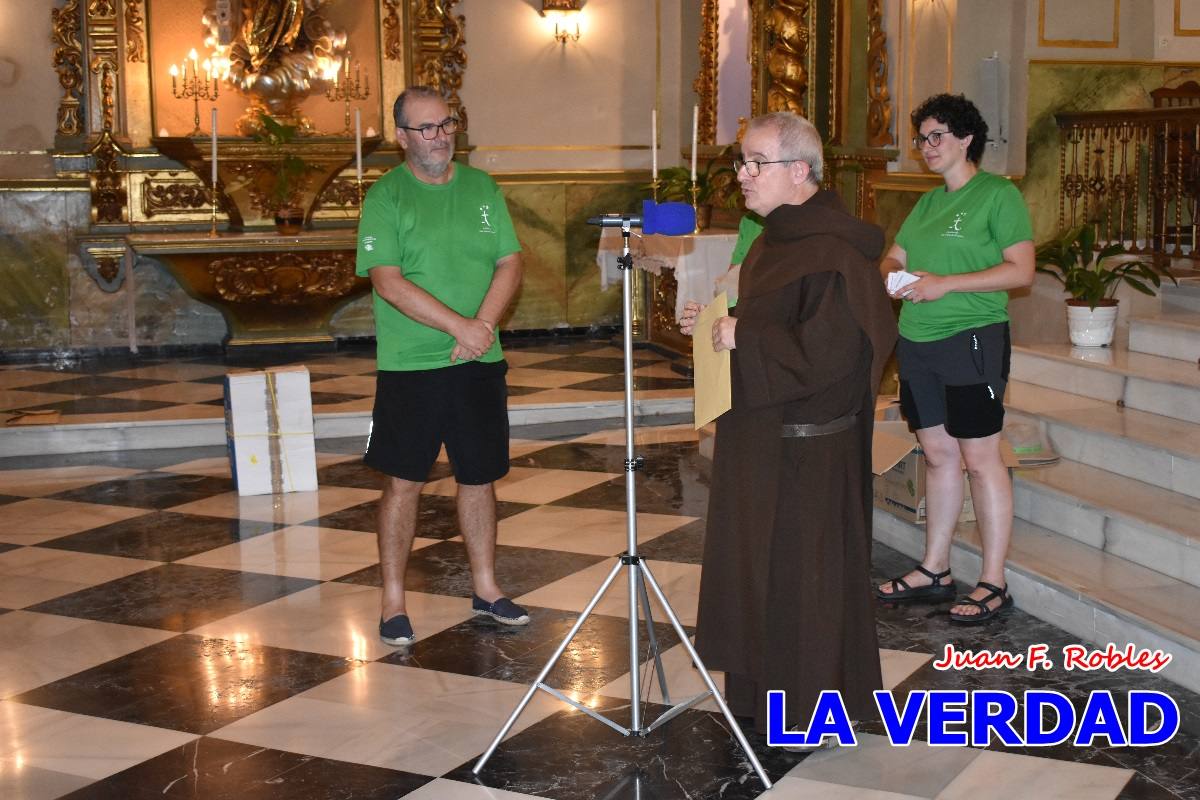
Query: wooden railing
(1135, 174)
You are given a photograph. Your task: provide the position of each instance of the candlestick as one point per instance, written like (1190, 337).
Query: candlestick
(213, 230)
(695, 139)
(358, 153)
(654, 144)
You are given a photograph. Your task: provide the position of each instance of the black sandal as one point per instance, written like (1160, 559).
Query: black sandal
(985, 613)
(934, 591)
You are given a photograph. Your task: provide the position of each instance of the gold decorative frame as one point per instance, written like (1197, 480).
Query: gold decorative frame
(1087, 43)
(1179, 29)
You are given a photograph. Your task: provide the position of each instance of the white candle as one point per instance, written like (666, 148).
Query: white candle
(214, 151)
(654, 143)
(695, 134)
(358, 145)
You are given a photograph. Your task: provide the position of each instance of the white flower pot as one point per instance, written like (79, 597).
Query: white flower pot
(1091, 327)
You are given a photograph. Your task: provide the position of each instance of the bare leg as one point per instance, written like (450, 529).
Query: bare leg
(943, 502)
(477, 521)
(396, 529)
(991, 492)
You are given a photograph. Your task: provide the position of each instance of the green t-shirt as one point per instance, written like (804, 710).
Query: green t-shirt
(748, 230)
(951, 233)
(447, 239)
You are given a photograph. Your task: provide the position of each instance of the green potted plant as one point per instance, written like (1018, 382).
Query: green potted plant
(715, 184)
(1091, 279)
(279, 184)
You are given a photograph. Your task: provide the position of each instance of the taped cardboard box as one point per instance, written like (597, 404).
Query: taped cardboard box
(269, 430)
(899, 467)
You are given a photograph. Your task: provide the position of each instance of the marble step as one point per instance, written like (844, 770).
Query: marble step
(1182, 298)
(1096, 596)
(93, 437)
(1141, 523)
(1114, 374)
(1171, 334)
(1147, 447)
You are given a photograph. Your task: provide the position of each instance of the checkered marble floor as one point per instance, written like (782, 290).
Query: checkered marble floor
(163, 637)
(132, 389)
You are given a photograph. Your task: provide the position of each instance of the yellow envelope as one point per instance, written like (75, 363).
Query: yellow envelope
(710, 369)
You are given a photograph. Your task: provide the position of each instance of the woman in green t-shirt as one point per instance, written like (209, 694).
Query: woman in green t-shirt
(956, 256)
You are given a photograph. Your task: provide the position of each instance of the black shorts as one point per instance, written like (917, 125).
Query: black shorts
(958, 382)
(464, 407)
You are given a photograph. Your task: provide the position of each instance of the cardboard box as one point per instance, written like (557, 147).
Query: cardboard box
(269, 430)
(899, 467)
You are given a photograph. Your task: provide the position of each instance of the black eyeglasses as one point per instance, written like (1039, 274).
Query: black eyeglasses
(934, 138)
(753, 168)
(448, 126)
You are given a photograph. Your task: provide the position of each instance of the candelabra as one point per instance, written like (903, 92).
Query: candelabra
(194, 88)
(346, 89)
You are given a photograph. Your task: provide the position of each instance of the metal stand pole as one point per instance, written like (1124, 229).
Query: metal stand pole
(639, 576)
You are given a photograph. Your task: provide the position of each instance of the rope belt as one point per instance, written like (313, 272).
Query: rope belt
(823, 429)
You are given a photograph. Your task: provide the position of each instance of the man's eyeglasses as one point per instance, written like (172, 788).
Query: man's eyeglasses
(753, 168)
(934, 138)
(448, 126)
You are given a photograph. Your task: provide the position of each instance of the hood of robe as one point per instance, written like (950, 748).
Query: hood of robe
(820, 235)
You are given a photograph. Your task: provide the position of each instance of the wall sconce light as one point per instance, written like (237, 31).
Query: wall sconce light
(565, 14)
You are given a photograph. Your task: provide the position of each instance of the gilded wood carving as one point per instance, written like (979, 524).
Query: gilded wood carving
(391, 30)
(705, 84)
(879, 109)
(787, 26)
(135, 29)
(283, 279)
(68, 63)
(439, 55)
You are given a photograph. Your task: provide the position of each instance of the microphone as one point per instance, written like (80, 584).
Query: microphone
(668, 219)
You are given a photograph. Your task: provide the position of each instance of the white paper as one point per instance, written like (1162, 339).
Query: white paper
(898, 280)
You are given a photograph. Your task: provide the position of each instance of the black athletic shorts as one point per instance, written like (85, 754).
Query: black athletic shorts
(464, 407)
(958, 382)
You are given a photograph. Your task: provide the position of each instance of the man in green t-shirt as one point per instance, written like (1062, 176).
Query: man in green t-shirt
(437, 242)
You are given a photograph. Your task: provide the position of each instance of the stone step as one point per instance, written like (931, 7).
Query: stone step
(1147, 447)
(1096, 596)
(1183, 298)
(1113, 374)
(1141, 523)
(1171, 334)
(33, 440)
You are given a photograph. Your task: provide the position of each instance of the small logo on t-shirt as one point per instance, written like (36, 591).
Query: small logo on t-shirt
(954, 229)
(485, 222)
(368, 243)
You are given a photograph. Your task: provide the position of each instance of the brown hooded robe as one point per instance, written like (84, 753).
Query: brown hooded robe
(785, 599)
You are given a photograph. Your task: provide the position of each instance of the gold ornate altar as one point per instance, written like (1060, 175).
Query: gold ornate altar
(142, 81)
(270, 289)
(138, 133)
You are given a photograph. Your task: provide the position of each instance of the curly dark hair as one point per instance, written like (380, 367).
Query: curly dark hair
(958, 114)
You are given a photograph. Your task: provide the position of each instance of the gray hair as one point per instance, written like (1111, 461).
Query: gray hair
(427, 92)
(798, 139)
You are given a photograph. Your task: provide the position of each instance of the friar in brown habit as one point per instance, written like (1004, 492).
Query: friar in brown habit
(785, 597)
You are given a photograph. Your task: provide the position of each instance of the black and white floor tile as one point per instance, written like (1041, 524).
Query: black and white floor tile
(163, 637)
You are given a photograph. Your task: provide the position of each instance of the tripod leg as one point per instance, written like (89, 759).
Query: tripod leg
(708, 681)
(537, 682)
(653, 640)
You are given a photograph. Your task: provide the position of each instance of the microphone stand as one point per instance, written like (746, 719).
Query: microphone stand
(639, 575)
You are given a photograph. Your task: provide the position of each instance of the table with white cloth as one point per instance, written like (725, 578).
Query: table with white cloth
(683, 268)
